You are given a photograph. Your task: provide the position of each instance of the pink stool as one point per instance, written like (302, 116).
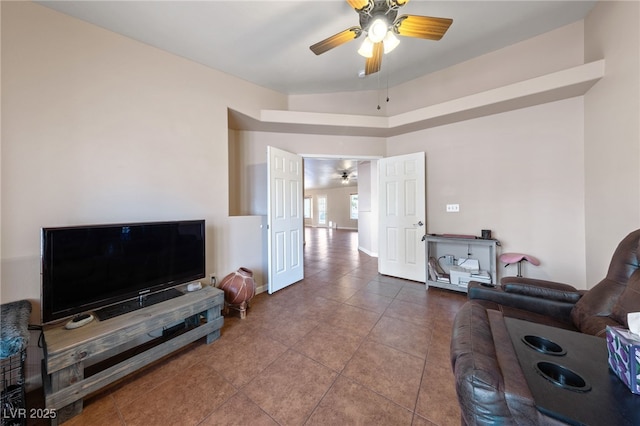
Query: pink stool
(518, 258)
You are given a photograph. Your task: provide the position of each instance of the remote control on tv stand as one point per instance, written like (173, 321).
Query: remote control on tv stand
(79, 321)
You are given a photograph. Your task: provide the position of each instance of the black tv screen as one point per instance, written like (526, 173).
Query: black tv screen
(88, 267)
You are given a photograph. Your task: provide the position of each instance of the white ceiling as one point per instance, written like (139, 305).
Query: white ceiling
(267, 42)
(327, 172)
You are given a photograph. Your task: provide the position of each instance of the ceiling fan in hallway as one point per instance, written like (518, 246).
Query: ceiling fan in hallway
(380, 22)
(347, 176)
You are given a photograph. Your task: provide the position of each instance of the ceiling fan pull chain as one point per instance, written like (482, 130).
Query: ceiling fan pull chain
(387, 84)
(378, 77)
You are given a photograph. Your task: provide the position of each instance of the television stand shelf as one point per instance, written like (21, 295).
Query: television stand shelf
(68, 354)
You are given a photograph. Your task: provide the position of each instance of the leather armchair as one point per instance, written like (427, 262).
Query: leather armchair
(562, 305)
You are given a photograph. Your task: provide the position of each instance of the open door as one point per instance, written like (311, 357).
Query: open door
(285, 221)
(402, 214)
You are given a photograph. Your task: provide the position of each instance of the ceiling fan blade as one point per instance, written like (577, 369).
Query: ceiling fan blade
(358, 4)
(374, 62)
(336, 40)
(425, 27)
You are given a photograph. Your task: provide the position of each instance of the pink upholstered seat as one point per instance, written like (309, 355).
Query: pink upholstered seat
(510, 258)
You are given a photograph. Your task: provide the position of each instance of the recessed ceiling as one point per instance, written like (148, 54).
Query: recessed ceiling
(267, 42)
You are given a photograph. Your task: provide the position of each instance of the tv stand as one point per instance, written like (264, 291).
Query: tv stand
(67, 374)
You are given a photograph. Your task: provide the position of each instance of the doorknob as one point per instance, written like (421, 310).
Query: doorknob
(419, 223)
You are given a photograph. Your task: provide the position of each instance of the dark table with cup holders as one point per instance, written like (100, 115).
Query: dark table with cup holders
(569, 377)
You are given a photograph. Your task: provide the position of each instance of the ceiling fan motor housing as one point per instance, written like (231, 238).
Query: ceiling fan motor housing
(386, 9)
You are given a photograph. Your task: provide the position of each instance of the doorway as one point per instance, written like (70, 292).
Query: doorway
(325, 175)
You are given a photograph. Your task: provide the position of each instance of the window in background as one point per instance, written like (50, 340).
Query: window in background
(322, 209)
(354, 206)
(307, 207)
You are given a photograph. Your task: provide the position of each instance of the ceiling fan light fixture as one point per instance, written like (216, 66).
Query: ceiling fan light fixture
(366, 49)
(378, 30)
(380, 23)
(390, 42)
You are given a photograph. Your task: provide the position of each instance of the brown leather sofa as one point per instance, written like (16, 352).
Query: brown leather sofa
(491, 387)
(562, 305)
(490, 384)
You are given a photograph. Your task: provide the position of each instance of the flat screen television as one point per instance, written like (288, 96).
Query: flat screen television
(89, 267)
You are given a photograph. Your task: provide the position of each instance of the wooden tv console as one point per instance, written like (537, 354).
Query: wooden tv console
(68, 352)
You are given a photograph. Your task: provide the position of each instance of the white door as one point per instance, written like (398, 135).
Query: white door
(285, 219)
(402, 210)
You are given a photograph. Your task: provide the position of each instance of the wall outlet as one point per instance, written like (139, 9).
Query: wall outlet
(213, 279)
(453, 208)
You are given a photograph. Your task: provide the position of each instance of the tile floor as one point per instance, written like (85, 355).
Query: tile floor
(343, 346)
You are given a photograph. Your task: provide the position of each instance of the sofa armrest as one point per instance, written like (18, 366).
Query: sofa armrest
(542, 292)
(540, 288)
(559, 310)
(539, 283)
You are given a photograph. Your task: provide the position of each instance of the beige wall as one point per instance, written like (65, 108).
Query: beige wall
(338, 202)
(612, 132)
(553, 51)
(519, 174)
(368, 207)
(98, 128)
(251, 162)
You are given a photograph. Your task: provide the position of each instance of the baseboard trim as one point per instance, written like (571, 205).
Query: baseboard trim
(365, 251)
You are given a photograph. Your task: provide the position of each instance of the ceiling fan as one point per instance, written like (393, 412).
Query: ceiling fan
(346, 176)
(380, 22)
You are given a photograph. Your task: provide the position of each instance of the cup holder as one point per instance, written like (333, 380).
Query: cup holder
(562, 377)
(543, 345)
